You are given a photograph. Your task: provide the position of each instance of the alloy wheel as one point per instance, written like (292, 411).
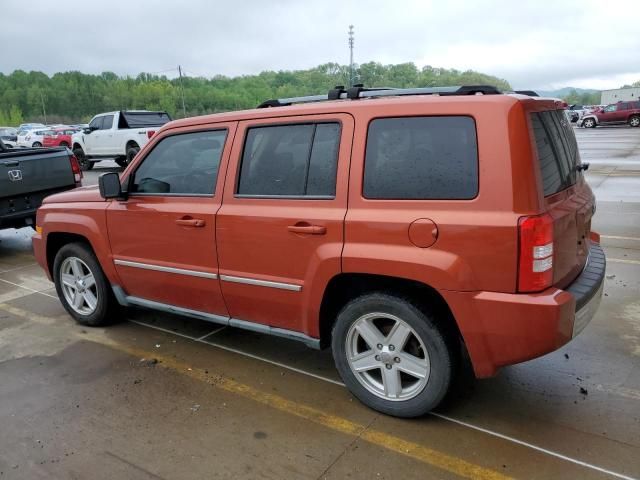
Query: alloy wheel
(78, 286)
(387, 356)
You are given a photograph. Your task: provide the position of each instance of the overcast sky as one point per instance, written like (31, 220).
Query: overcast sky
(532, 44)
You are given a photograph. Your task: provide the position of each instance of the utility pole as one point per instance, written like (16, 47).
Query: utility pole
(184, 109)
(44, 112)
(351, 55)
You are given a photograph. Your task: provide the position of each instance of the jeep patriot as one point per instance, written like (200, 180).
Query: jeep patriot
(405, 229)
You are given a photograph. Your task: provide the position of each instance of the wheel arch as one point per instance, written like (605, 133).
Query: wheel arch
(346, 286)
(57, 240)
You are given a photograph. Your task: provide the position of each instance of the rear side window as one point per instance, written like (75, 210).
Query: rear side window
(290, 160)
(421, 158)
(557, 150)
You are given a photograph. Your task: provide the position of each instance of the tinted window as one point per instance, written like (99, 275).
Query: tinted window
(421, 158)
(107, 122)
(293, 160)
(96, 123)
(185, 164)
(557, 150)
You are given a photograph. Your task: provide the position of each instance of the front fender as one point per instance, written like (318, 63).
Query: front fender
(87, 220)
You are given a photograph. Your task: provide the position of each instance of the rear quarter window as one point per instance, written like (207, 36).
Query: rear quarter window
(557, 150)
(421, 158)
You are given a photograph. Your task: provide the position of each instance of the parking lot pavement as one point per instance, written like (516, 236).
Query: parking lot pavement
(161, 396)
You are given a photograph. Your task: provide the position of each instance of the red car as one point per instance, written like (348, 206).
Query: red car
(59, 137)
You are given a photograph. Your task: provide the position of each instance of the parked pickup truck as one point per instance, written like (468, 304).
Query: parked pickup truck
(27, 175)
(616, 113)
(116, 135)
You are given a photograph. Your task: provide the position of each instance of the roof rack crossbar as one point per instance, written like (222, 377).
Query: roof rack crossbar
(358, 91)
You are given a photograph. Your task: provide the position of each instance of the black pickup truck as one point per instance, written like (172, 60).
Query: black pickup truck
(27, 175)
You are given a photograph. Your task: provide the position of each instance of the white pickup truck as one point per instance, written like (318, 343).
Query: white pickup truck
(116, 135)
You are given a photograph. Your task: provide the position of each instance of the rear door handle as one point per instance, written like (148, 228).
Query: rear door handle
(190, 222)
(307, 229)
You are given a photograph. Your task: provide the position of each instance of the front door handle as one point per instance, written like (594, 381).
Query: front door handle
(190, 222)
(306, 228)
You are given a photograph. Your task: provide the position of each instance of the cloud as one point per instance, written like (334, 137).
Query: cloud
(531, 44)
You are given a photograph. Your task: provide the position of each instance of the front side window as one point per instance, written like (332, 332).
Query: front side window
(96, 123)
(184, 164)
(290, 160)
(610, 108)
(107, 122)
(421, 158)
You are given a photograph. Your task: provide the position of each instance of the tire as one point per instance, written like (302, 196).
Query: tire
(75, 262)
(634, 121)
(85, 163)
(428, 349)
(589, 123)
(36, 145)
(121, 161)
(131, 153)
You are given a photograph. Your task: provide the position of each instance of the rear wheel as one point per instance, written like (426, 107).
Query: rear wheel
(589, 123)
(36, 144)
(393, 356)
(121, 161)
(634, 121)
(82, 287)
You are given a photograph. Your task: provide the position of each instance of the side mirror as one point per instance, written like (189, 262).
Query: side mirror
(109, 185)
(87, 130)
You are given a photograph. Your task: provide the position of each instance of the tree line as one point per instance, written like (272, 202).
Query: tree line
(74, 97)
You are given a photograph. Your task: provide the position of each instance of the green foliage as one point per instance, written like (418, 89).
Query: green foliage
(583, 98)
(13, 117)
(74, 97)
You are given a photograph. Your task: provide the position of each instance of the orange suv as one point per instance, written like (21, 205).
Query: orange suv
(404, 229)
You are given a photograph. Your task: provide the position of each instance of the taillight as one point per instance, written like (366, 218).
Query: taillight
(75, 168)
(535, 269)
(150, 133)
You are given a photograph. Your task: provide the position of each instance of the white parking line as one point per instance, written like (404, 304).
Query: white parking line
(620, 260)
(211, 333)
(27, 288)
(438, 415)
(17, 268)
(615, 237)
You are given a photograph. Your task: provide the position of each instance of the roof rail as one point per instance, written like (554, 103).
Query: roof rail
(531, 93)
(359, 91)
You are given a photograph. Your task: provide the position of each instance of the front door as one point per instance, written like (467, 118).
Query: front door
(163, 236)
(102, 137)
(280, 228)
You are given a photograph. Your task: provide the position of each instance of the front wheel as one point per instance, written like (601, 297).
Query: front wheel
(634, 121)
(82, 287)
(393, 356)
(36, 145)
(85, 163)
(589, 123)
(131, 154)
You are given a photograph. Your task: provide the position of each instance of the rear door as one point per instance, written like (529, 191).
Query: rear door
(568, 197)
(163, 237)
(280, 230)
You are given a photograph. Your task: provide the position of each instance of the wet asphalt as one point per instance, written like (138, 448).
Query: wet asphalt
(160, 396)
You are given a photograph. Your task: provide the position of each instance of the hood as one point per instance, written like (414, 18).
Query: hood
(80, 194)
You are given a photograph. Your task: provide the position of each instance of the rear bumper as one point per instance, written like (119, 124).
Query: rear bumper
(501, 329)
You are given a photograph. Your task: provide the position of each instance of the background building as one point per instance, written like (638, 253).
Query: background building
(620, 94)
